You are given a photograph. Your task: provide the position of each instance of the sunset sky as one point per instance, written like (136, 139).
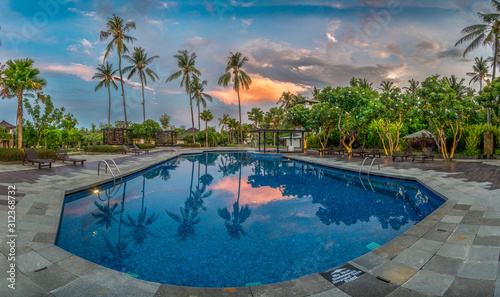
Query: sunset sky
(292, 45)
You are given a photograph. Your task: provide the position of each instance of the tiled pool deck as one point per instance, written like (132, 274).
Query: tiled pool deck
(453, 252)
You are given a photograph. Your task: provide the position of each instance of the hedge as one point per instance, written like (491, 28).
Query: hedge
(145, 146)
(103, 148)
(13, 155)
(195, 145)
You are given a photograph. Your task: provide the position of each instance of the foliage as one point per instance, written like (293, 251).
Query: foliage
(190, 145)
(165, 121)
(145, 146)
(11, 155)
(51, 116)
(145, 130)
(299, 116)
(103, 148)
(473, 135)
(4, 134)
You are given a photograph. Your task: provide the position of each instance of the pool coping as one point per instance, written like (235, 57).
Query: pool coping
(375, 264)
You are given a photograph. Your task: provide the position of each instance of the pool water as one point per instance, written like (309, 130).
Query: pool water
(226, 220)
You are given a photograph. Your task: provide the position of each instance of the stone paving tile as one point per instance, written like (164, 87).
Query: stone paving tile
(484, 253)
(479, 270)
(396, 273)
(426, 245)
(82, 288)
(430, 283)
(175, 291)
(331, 293)
(413, 258)
(451, 250)
(51, 277)
(452, 219)
(370, 261)
(24, 287)
(444, 265)
(404, 292)
(31, 261)
(465, 287)
(368, 286)
(491, 221)
(488, 231)
(436, 235)
(53, 253)
(304, 286)
(459, 238)
(446, 226)
(461, 207)
(467, 229)
(487, 241)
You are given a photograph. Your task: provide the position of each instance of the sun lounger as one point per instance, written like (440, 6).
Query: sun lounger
(332, 150)
(408, 153)
(425, 155)
(128, 150)
(360, 151)
(375, 152)
(62, 155)
(33, 158)
(135, 148)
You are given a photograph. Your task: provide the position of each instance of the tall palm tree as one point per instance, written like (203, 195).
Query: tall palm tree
(140, 62)
(487, 33)
(117, 29)
(315, 92)
(480, 72)
(287, 100)
(186, 62)
(224, 121)
(457, 85)
(412, 88)
(198, 90)
(238, 77)
(106, 77)
(387, 86)
(18, 78)
(206, 116)
(256, 115)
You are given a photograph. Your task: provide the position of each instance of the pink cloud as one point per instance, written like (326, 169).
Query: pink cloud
(82, 71)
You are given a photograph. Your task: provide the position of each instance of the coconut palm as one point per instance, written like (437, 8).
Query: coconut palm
(412, 88)
(186, 62)
(206, 116)
(480, 72)
(106, 214)
(387, 86)
(224, 121)
(232, 125)
(315, 92)
(199, 95)
(106, 76)
(486, 34)
(287, 100)
(20, 79)
(140, 62)
(117, 29)
(457, 85)
(256, 115)
(238, 77)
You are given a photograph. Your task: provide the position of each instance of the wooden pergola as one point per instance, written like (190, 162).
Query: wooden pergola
(277, 132)
(117, 136)
(165, 138)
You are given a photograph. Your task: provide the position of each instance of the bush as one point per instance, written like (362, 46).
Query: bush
(145, 146)
(103, 148)
(195, 145)
(13, 155)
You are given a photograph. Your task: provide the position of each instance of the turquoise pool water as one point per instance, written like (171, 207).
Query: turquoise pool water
(224, 219)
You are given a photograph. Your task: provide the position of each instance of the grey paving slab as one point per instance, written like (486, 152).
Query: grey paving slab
(404, 292)
(368, 286)
(452, 219)
(370, 261)
(459, 238)
(81, 287)
(413, 258)
(332, 293)
(488, 231)
(451, 250)
(430, 283)
(465, 287)
(396, 273)
(175, 291)
(31, 261)
(303, 286)
(426, 245)
(484, 253)
(24, 287)
(479, 270)
(467, 229)
(51, 277)
(487, 241)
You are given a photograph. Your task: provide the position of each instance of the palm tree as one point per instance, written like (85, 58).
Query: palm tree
(19, 77)
(387, 86)
(206, 116)
(140, 62)
(106, 77)
(186, 62)
(198, 90)
(232, 125)
(106, 214)
(487, 33)
(480, 73)
(412, 89)
(256, 115)
(287, 100)
(457, 85)
(315, 92)
(117, 29)
(224, 121)
(237, 76)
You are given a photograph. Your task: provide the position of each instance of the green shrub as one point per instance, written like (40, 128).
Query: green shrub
(313, 142)
(45, 153)
(145, 146)
(103, 148)
(473, 135)
(195, 145)
(10, 155)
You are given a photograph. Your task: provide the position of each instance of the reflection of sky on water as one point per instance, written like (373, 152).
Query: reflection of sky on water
(227, 220)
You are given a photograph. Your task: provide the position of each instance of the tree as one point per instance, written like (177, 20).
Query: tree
(323, 120)
(276, 115)
(300, 116)
(287, 100)
(206, 116)
(487, 33)
(198, 90)
(480, 72)
(457, 85)
(186, 62)
(117, 29)
(412, 88)
(237, 76)
(50, 116)
(387, 86)
(20, 79)
(106, 77)
(224, 121)
(256, 115)
(140, 62)
(315, 92)
(165, 121)
(447, 112)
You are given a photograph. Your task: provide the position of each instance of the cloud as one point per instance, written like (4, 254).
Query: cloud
(332, 28)
(454, 53)
(82, 71)
(262, 89)
(427, 45)
(84, 13)
(196, 42)
(136, 85)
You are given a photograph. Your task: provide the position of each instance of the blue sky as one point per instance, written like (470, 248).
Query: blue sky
(291, 45)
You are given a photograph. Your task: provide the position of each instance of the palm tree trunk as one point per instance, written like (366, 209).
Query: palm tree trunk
(206, 133)
(239, 110)
(109, 105)
(123, 90)
(19, 118)
(191, 105)
(143, 100)
(495, 59)
(480, 84)
(199, 126)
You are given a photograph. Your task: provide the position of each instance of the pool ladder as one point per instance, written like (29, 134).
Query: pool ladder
(110, 171)
(371, 165)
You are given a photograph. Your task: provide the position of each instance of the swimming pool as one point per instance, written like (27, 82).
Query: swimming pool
(224, 219)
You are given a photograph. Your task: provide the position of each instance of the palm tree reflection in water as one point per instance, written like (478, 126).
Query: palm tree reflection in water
(234, 220)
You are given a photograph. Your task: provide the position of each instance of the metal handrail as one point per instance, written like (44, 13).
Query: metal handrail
(111, 171)
(371, 165)
(363, 164)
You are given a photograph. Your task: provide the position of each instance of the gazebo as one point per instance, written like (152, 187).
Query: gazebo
(117, 136)
(277, 132)
(165, 138)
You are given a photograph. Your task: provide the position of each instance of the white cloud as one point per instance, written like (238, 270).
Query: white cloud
(84, 13)
(82, 71)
